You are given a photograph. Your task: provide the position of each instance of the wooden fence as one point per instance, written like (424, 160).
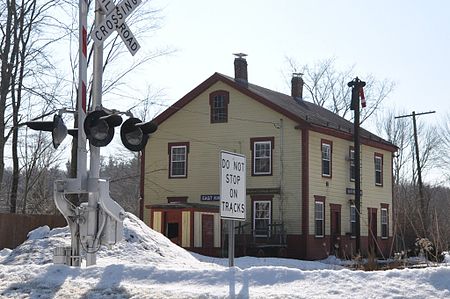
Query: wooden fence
(15, 227)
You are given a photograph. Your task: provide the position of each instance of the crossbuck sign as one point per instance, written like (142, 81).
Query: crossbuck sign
(232, 186)
(115, 20)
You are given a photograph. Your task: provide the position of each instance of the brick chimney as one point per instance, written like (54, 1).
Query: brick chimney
(297, 86)
(240, 68)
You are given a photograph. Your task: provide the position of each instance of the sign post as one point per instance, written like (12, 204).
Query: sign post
(232, 194)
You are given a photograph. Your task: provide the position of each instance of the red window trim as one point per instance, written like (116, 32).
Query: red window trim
(386, 207)
(169, 150)
(261, 198)
(330, 143)
(226, 94)
(321, 199)
(252, 147)
(352, 235)
(375, 171)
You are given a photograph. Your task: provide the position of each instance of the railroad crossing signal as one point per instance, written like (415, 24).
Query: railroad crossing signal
(115, 20)
(99, 128)
(57, 127)
(135, 133)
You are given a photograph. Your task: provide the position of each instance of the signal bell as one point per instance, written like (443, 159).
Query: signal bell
(99, 127)
(57, 127)
(134, 133)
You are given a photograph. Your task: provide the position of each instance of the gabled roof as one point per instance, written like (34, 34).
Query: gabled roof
(307, 114)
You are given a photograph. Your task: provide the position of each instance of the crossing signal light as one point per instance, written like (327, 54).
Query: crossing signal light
(134, 133)
(57, 127)
(99, 127)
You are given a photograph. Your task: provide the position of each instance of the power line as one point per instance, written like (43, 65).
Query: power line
(413, 114)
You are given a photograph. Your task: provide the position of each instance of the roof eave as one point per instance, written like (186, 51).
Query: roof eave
(349, 136)
(187, 98)
(236, 85)
(302, 124)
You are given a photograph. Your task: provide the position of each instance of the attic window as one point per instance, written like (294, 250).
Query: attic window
(218, 102)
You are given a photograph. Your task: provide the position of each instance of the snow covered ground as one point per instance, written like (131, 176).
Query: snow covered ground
(147, 265)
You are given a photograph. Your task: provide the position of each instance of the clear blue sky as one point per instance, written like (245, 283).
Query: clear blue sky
(407, 42)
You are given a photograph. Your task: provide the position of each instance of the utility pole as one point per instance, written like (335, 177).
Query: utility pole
(419, 169)
(356, 86)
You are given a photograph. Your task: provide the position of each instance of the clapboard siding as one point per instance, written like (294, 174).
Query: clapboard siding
(255, 112)
(334, 188)
(246, 119)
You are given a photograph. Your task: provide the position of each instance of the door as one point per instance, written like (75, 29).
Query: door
(207, 231)
(335, 229)
(372, 238)
(173, 226)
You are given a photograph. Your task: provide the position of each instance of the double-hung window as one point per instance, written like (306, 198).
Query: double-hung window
(261, 217)
(262, 149)
(384, 223)
(218, 102)
(326, 158)
(353, 220)
(319, 220)
(178, 158)
(378, 162)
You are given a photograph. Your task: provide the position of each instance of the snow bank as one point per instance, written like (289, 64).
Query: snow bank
(4, 253)
(140, 244)
(39, 233)
(145, 264)
(248, 262)
(143, 245)
(38, 248)
(446, 257)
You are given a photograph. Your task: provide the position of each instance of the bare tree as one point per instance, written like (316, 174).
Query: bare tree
(7, 13)
(430, 144)
(143, 23)
(327, 87)
(444, 131)
(23, 58)
(40, 197)
(398, 132)
(28, 74)
(413, 218)
(38, 156)
(124, 181)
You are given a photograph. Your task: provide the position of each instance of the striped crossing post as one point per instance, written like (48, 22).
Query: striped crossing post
(75, 258)
(82, 94)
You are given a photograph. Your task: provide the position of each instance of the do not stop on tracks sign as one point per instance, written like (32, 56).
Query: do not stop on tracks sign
(232, 186)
